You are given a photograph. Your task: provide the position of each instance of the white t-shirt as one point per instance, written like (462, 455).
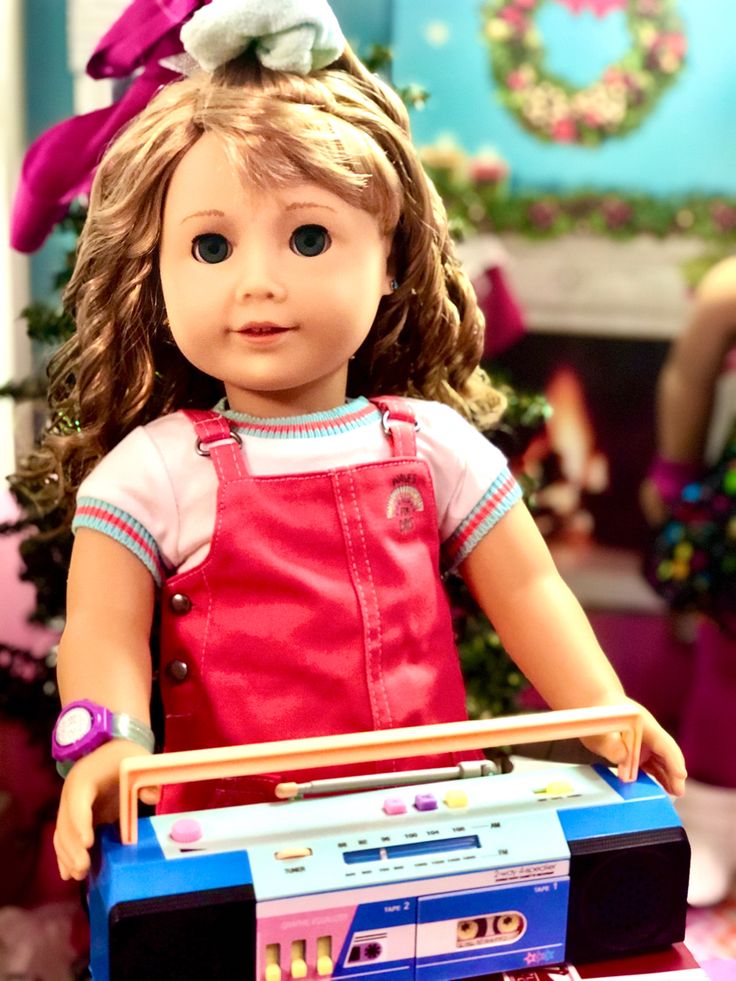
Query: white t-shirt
(156, 496)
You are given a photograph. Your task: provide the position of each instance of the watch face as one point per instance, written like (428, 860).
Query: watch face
(73, 725)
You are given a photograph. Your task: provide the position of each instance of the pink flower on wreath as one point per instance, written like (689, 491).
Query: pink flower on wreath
(613, 75)
(648, 8)
(724, 216)
(666, 52)
(516, 80)
(488, 170)
(516, 18)
(526, 4)
(564, 130)
(676, 44)
(599, 7)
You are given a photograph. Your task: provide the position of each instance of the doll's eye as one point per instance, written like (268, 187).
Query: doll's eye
(310, 240)
(211, 248)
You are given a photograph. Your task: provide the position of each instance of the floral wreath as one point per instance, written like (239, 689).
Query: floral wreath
(611, 106)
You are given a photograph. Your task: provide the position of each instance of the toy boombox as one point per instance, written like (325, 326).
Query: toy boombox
(451, 878)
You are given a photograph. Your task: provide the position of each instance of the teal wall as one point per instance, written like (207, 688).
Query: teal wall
(48, 100)
(48, 81)
(687, 143)
(364, 22)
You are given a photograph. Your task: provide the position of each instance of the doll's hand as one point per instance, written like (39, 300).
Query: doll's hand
(652, 504)
(90, 797)
(661, 757)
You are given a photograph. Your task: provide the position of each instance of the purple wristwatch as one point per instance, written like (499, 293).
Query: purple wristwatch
(84, 725)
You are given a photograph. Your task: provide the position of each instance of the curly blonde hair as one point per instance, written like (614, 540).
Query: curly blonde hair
(340, 127)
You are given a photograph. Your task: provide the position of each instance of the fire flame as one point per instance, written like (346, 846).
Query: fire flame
(583, 468)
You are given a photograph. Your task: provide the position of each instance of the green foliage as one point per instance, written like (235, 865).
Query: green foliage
(27, 390)
(492, 680)
(378, 58)
(47, 324)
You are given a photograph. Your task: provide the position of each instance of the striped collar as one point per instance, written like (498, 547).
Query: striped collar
(352, 415)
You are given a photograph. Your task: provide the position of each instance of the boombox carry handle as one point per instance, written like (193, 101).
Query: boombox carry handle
(138, 772)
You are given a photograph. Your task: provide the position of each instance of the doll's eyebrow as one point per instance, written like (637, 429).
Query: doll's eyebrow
(199, 214)
(297, 205)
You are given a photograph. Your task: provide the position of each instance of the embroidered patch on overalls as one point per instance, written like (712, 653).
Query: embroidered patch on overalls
(404, 501)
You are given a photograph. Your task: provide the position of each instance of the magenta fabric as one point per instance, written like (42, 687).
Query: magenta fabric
(505, 323)
(706, 733)
(60, 164)
(319, 610)
(670, 477)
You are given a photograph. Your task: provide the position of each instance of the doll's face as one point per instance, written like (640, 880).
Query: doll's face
(270, 292)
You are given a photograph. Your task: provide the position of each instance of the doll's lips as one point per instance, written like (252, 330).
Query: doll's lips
(262, 329)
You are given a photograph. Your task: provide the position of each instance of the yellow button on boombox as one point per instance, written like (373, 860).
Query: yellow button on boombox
(456, 798)
(288, 854)
(558, 788)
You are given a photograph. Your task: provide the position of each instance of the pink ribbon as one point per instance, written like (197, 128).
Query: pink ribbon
(60, 164)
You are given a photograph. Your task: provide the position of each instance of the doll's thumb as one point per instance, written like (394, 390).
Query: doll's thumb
(150, 795)
(611, 747)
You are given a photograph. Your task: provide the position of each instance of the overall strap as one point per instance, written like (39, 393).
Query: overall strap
(399, 424)
(218, 440)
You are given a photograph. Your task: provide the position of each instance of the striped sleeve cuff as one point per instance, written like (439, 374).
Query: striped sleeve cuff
(503, 493)
(124, 528)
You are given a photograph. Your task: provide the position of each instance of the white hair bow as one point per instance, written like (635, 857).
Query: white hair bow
(288, 35)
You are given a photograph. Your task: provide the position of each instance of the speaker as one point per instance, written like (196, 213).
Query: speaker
(628, 893)
(190, 936)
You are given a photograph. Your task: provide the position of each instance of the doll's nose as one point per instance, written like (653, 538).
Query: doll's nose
(260, 279)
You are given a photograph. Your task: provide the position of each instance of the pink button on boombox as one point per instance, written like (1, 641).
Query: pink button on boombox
(185, 831)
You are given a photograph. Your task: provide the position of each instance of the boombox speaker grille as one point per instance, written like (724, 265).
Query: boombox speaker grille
(628, 893)
(191, 937)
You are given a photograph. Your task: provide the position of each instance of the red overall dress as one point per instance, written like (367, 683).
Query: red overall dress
(318, 610)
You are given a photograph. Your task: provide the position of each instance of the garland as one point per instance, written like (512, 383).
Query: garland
(614, 215)
(614, 104)
(476, 192)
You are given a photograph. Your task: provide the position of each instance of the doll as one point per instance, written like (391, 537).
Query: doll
(686, 403)
(263, 240)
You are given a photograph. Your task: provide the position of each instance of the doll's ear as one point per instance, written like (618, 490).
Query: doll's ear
(390, 283)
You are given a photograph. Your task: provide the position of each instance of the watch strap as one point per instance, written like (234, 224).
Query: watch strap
(124, 726)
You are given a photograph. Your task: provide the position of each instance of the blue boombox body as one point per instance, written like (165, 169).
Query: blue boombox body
(444, 880)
